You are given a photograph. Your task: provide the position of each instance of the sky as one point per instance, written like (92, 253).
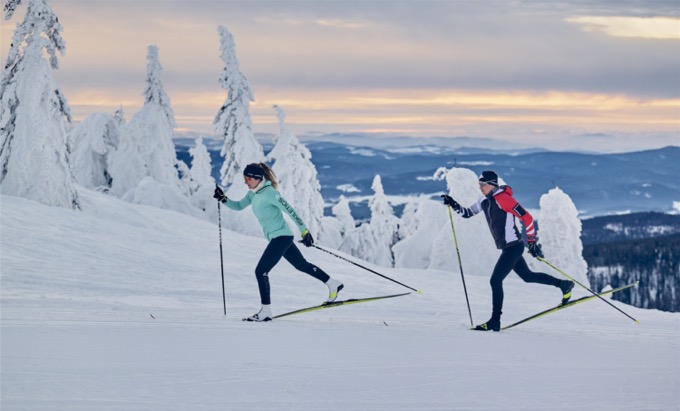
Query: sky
(560, 74)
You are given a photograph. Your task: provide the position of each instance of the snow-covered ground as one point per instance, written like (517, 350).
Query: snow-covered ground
(119, 307)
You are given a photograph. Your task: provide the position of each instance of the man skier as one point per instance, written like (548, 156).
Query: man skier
(500, 210)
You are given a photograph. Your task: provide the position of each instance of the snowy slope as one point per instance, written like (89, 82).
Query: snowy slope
(119, 307)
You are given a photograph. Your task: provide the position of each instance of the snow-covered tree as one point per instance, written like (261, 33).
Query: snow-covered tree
(152, 127)
(152, 193)
(329, 232)
(202, 182)
(233, 122)
(343, 214)
(34, 146)
(234, 125)
(421, 225)
(126, 165)
(384, 225)
(119, 116)
(560, 236)
(201, 166)
(360, 243)
(297, 175)
(475, 243)
(95, 140)
(373, 241)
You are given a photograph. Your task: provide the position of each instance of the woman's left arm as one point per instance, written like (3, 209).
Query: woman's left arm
(283, 205)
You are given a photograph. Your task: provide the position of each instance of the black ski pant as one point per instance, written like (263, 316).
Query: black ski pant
(283, 247)
(511, 260)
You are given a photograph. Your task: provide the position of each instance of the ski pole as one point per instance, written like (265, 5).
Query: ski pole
(367, 269)
(460, 264)
(591, 291)
(219, 220)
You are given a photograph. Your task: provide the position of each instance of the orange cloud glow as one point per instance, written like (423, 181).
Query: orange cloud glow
(635, 27)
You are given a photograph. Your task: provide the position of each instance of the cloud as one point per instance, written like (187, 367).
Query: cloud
(657, 28)
(342, 24)
(429, 67)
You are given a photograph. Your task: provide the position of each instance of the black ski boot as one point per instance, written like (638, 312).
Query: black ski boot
(494, 324)
(566, 286)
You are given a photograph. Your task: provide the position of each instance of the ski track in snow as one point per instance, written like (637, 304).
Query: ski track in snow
(119, 307)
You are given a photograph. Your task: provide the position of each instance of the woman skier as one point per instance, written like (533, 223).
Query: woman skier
(500, 210)
(268, 206)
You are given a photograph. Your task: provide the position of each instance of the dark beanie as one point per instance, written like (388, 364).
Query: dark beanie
(254, 171)
(489, 177)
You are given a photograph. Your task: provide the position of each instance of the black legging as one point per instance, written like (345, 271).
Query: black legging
(511, 259)
(283, 247)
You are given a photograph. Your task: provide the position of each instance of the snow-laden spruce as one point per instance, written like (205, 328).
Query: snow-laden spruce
(334, 229)
(34, 145)
(560, 235)
(126, 165)
(152, 127)
(343, 214)
(373, 241)
(384, 225)
(202, 183)
(234, 125)
(150, 192)
(475, 242)
(422, 223)
(233, 122)
(95, 141)
(297, 175)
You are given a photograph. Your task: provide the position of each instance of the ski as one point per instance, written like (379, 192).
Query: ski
(569, 304)
(338, 303)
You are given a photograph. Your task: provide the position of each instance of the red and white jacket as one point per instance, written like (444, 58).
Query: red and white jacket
(500, 209)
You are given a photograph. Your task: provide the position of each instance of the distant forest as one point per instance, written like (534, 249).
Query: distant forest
(642, 247)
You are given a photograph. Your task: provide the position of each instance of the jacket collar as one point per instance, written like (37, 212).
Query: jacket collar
(263, 184)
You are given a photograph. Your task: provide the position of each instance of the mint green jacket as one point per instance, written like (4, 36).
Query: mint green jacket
(269, 206)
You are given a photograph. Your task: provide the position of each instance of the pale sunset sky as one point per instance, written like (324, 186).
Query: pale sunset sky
(555, 74)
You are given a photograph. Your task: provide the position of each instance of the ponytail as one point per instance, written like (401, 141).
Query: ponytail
(269, 175)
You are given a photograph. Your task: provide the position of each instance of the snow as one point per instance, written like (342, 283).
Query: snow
(366, 152)
(119, 306)
(348, 188)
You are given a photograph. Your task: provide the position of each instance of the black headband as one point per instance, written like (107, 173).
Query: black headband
(254, 171)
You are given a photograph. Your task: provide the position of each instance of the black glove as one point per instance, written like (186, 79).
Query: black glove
(452, 203)
(535, 249)
(219, 195)
(307, 239)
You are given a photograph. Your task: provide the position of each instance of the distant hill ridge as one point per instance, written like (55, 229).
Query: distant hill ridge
(599, 184)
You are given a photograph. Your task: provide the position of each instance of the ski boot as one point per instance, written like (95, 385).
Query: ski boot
(334, 287)
(566, 286)
(265, 314)
(494, 324)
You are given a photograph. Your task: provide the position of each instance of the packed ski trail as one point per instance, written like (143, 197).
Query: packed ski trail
(119, 307)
